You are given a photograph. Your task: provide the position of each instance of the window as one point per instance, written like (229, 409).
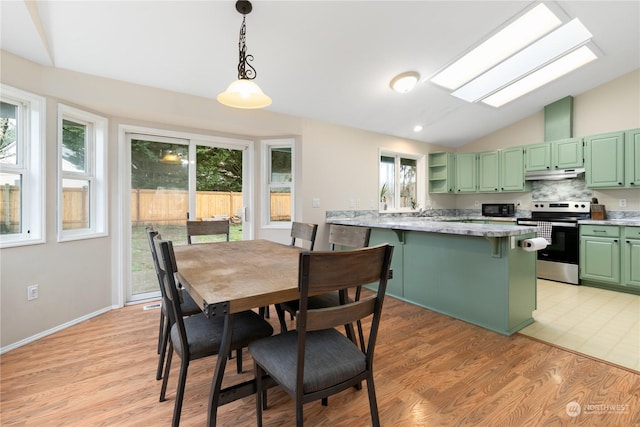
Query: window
(401, 181)
(82, 142)
(22, 173)
(278, 165)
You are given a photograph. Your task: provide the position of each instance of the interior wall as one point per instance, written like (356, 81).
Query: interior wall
(613, 106)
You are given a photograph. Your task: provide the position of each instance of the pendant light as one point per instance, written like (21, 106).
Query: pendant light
(244, 93)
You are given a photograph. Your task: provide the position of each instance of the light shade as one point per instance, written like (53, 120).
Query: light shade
(244, 93)
(171, 159)
(405, 82)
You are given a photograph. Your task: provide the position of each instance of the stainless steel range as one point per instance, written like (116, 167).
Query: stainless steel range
(558, 223)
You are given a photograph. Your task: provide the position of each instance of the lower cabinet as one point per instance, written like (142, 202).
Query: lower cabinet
(610, 257)
(395, 284)
(631, 256)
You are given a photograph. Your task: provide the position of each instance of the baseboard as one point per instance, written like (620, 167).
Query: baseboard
(56, 329)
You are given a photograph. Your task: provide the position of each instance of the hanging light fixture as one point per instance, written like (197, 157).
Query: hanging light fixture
(171, 158)
(244, 93)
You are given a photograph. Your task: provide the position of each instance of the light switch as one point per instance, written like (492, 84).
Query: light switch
(315, 202)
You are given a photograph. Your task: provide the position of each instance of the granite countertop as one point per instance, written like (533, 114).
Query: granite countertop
(444, 225)
(621, 221)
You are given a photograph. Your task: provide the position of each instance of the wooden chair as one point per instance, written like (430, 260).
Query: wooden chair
(198, 336)
(304, 231)
(188, 307)
(316, 361)
(299, 231)
(340, 237)
(207, 228)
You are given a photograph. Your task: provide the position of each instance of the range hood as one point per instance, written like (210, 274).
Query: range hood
(553, 174)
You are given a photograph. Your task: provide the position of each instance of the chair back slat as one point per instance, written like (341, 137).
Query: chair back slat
(348, 235)
(207, 228)
(331, 317)
(304, 231)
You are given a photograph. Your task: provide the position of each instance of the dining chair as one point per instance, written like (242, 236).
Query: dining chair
(188, 306)
(315, 360)
(198, 336)
(207, 228)
(299, 231)
(340, 237)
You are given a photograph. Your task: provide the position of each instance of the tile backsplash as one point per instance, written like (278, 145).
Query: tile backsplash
(564, 189)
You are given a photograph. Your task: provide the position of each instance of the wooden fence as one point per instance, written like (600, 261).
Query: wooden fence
(161, 207)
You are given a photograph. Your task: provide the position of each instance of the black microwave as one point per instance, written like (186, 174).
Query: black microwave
(498, 209)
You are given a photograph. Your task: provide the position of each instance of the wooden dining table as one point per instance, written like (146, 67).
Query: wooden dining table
(230, 277)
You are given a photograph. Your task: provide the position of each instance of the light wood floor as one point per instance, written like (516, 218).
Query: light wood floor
(430, 370)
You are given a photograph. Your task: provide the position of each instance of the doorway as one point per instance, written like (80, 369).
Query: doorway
(173, 179)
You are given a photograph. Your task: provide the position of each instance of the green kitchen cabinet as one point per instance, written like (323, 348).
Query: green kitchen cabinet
(561, 154)
(466, 172)
(632, 158)
(442, 172)
(604, 160)
(512, 170)
(600, 253)
(631, 257)
(489, 172)
(380, 236)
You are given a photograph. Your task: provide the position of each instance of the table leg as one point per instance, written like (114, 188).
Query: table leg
(218, 373)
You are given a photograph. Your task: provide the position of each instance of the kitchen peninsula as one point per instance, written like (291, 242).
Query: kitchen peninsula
(473, 272)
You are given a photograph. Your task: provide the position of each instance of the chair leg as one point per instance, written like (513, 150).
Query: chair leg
(283, 323)
(373, 405)
(163, 350)
(167, 367)
(257, 372)
(299, 414)
(239, 360)
(161, 330)
(325, 401)
(182, 379)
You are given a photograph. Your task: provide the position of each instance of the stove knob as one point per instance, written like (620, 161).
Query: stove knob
(583, 206)
(575, 206)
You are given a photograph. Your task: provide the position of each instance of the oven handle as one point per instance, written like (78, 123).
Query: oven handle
(553, 224)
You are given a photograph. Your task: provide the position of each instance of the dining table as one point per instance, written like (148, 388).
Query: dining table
(230, 277)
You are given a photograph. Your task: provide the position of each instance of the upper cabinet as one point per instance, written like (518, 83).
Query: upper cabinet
(512, 170)
(488, 172)
(604, 160)
(466, 173)
(442, 172)
(632, 158)
(561, 154)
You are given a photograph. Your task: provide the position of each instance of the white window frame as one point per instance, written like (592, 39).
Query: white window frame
(420, 179)
(30, 165)
(95, 172)
(267, 145)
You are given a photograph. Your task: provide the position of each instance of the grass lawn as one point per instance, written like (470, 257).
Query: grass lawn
(143, 274)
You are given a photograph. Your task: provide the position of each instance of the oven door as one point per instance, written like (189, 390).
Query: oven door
(564, 245)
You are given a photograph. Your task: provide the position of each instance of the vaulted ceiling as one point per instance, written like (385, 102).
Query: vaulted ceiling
(326, 60)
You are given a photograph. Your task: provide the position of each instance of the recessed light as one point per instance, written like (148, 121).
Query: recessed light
(417, 128)
(405, 82)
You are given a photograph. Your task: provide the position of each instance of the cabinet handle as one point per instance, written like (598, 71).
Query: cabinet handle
(619, 183)
(599, 231)
(548, 167)
(628, 241)
(615, 240)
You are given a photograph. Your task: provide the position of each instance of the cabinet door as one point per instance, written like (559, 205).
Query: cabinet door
(466, 172)
(631, 256)
(512, 169)
(537, 157)
(632, 158)
(600, 259)
(604, 157)
(488, 172)
(567, 153)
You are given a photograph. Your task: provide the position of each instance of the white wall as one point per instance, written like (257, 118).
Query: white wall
(613, 106)
(337, 165)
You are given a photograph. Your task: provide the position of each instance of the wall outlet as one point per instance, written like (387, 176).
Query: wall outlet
(622, 203)
(476, 204)
(32, 292)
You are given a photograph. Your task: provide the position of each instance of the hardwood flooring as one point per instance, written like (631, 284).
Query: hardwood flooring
(430, 370)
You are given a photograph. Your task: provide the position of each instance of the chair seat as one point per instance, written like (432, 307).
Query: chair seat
(330, 299)
(205, 334)
(330, 358)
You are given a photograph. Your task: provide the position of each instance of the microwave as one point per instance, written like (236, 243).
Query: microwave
(498, 209)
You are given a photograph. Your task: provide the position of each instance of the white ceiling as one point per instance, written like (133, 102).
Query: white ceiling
(326, 60)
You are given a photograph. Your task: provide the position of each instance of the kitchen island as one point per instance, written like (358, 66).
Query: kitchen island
(473, 272)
